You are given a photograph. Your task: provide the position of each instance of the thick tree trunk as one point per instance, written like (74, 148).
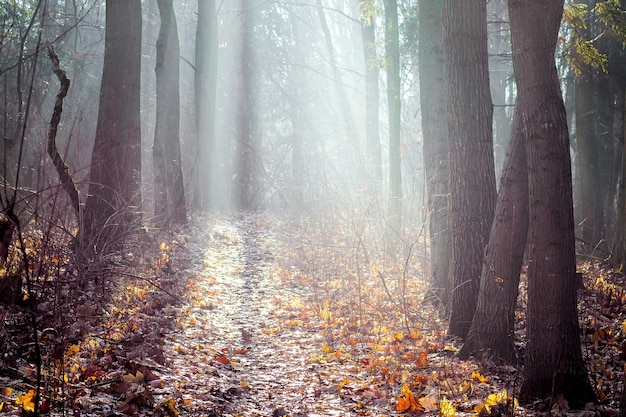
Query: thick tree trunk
(492, 329)
(115, 177)
(553, 363)
(436, 147)
(169, 190)
(472, 174)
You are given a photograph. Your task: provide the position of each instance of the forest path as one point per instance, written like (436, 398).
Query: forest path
(236, 354)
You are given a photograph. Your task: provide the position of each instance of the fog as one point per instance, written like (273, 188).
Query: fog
(292, 74)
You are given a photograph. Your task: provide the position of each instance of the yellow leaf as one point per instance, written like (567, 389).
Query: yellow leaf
(27, 401)
(7, 391)
(139, 377)
(479, 377)
(342, 384)
(501, 397)
(244, 384)
(72, 350)
(168, 406)
(399, 336)
(446, 408)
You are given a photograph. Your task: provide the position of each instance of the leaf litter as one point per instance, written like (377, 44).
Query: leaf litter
(247, 315)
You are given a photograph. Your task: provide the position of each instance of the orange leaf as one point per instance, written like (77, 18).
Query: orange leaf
(408, 401)
(422, 360)
(403, 404)
(223, 359)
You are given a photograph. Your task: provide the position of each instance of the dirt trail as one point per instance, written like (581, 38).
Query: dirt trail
(236, 356)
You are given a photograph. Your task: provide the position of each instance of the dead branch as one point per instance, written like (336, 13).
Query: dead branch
(60, 165)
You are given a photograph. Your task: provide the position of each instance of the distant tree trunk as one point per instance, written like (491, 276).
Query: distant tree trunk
(586, 141)
(115, 177)
(492, 329)
(436, 146)
(500, 71)
(169, 189)
(392, 52)
(591, 208)
(618, 251)
(553, 362)
(205, 80)
(372, 99)
(472, 174)
(247, 187)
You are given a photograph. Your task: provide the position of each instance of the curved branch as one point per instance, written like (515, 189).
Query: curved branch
(60, 165)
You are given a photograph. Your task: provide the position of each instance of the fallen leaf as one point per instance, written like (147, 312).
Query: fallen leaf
(27, 401)
(446, 408)
(223, 359)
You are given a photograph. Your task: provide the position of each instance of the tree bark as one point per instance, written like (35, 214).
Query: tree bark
(115, 177)
(492, 329)
(169, 190)
(472, 173)
(436, 147)
(553, 362)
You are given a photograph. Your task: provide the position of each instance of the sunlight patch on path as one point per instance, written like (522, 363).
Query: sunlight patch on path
(237, 354)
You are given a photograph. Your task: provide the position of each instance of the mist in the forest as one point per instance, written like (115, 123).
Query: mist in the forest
(290, 108)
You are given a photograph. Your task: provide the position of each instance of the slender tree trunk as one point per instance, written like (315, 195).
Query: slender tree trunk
(587, 146)
(553, 362)
(169, 190)
(500, 71)
(472, 173)
(618, 257)
(392, 51)
(492, 329)
(436, 146)
(372, 100)
(247, 189)
(205, 80)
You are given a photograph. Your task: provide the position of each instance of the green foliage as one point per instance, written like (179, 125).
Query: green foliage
(585, 55)
(367, 10)
(575, 15)
(612, 17)
(580, 47)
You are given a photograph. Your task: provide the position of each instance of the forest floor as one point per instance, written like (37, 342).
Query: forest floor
(245, 315)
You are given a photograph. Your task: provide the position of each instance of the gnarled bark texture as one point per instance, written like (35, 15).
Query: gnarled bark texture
(553, 363)
(472, 173)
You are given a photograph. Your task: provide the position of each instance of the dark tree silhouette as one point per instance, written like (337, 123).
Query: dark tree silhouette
(115, 177)
(553, 362)
(472, 175)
